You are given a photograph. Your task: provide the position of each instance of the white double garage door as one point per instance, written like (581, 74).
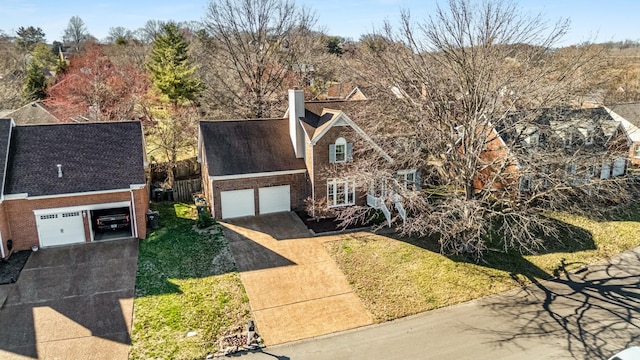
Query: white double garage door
(239, 203)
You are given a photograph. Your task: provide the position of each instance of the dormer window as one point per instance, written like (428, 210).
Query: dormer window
(341, 151)
(533, 140)
(589, 138)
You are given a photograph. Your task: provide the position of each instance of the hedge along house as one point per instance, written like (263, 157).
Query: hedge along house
(58, 179)
(254, 167)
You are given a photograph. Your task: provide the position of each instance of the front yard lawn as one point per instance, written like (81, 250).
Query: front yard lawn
(396, 278)
(188, 293)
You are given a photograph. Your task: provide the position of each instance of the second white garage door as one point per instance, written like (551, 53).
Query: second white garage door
(237, 203)
(274, 199)
(60, 228)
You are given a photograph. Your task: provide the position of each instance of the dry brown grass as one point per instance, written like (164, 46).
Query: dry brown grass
(396, 278)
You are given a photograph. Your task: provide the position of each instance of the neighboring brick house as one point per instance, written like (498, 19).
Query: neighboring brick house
(58, 179)
(253, 167)
(579, 142)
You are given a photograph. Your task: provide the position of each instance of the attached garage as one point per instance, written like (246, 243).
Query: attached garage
(274, 199)
(60, 228)
(237, 203)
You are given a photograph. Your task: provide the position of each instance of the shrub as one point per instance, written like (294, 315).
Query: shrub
(204, 219)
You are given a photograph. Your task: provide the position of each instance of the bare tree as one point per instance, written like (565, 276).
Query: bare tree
(76, 33)
(12, 73)
(475, 98)
(252, 48)
(119, 35)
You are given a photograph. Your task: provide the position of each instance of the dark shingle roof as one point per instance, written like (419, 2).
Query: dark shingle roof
(248, 146)
(94, 157)
(5, 132)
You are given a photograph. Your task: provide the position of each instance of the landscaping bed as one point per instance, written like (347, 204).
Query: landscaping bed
(325, 225)
(10, 269)
(399, 277)
(188, 294)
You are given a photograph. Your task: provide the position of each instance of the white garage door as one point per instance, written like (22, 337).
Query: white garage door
(274, 199)
(237, 203)
(60, 228)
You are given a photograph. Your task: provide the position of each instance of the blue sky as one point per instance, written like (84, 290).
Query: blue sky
(597, 20)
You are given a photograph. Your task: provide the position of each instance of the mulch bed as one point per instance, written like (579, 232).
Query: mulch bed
(327, 224)
(10, 269)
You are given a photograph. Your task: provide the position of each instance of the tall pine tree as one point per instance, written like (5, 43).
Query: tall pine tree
(171, 73)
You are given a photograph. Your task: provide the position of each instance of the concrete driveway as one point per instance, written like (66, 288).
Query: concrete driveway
(72, 302)
(295, 289)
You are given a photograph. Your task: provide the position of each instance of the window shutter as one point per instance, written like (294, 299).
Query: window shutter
(418, 180)
(332, 153)
(349, 151)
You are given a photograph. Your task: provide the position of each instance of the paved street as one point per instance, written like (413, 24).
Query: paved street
(589, 315)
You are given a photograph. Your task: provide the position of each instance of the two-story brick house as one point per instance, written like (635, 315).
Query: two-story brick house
(253, 167)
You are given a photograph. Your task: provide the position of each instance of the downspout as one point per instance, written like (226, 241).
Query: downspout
(2, 254)
(133, 210)
(313, 183)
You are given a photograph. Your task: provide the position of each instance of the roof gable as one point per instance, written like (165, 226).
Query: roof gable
(92, 157)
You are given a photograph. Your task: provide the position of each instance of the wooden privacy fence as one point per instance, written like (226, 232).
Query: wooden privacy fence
(183, 190)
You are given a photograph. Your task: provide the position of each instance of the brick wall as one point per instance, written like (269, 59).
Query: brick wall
(324, 170)
(21, 222)
(298, 183)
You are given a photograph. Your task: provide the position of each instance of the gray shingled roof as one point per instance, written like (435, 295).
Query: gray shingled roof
(32, 113)
(248, 146)
(629, 111)
(94, 157)
(5, 132)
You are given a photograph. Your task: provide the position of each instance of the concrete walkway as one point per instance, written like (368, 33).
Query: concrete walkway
(295, 289)
(72, 302)
(590, 315)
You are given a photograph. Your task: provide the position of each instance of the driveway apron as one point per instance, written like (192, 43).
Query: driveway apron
(295, 289)
(72, 302)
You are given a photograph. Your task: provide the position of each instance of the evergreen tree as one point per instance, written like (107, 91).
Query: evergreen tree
(35, 83)
(171, 73)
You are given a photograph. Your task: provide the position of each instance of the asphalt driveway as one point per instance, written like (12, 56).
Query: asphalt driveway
(295, 289)
(72, 302)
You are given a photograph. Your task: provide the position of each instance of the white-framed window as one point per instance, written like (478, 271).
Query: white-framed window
(570, 168)
(568, 138)
(533, 140)
(589, 138)
(525, 183)
(409, 179)
(341, 151)
(636, 150)
(341, 192)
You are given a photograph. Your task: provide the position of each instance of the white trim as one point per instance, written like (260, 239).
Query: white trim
(2, 254)
(16, 196)
(132, 209)
(137, 186)
(88, 215)
(254, 175)
(82, 207)
(6, 163)
(343, 116)
(26, 196)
